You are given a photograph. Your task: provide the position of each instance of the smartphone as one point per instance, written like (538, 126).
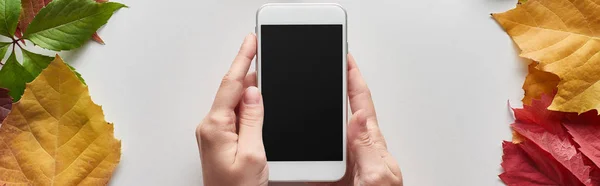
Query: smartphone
(301, 69)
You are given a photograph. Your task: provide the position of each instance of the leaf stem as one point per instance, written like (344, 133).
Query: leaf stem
(17, 42)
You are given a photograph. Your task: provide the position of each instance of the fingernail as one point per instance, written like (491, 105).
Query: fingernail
(251, 96)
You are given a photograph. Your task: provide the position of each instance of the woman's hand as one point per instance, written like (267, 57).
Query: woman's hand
(369, 162)
(230, 136)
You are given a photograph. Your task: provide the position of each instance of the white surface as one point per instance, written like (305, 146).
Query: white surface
(441, 72)
(306, 14)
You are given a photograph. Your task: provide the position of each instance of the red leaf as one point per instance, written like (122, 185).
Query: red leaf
(585, 129)
(519, 169)
(5, 103)
(538, 114)
(559, 149)
(19, 34)
(29, 9)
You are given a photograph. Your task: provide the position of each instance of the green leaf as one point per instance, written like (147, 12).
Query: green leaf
(3, 48)
(67, 24)
(13, 76)
(35, 63)
(9, 16)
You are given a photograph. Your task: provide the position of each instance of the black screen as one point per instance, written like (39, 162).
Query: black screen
(302, 88)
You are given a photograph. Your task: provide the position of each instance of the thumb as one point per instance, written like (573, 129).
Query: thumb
(251, 115)
(362, 145)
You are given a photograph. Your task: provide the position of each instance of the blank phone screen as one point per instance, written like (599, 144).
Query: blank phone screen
(302, 87)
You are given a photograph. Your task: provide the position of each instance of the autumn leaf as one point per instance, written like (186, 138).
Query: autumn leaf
(56, 134)
(9, 16)
(563, 35)
(585, 130)
(519, 169)
(537, 83)
(537, 114)
(5, 103)
(547, 143)
(558, 148)
(67, 24)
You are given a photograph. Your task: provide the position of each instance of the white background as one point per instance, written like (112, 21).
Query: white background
(441, 73)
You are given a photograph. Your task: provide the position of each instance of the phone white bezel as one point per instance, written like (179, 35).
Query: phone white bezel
(306, 14)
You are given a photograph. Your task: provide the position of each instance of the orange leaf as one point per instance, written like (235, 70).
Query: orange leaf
(537, 83)
(56, 134)
(564, 36)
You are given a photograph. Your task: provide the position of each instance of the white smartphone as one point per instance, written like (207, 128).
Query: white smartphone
(301, 65)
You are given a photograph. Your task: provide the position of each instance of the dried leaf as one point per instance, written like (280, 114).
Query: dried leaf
(537, 114)
(5, 103)
(563, 35)
(519, 169)
(585, 130)
(575, 171)
(56, 134)
(537, 83)
(559, 149)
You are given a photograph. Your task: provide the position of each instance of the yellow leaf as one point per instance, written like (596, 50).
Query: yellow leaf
(56, 135)
(564, 36)
(537, 83)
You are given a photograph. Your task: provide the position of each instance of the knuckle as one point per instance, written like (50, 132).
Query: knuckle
(254, 158)
(226, 78)
(374, 178)
(229, 80)
(218, 118)
(380, 178)
(202, 132)
(361, 92)
(364, 140)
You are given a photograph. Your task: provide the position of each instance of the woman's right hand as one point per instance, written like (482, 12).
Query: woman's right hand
(369, 162)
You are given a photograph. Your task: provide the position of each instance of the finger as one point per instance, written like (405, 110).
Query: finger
(361, 100)
(250, 144)
(362, 145)
(358, 92)
(250, 80)
(231, 88)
